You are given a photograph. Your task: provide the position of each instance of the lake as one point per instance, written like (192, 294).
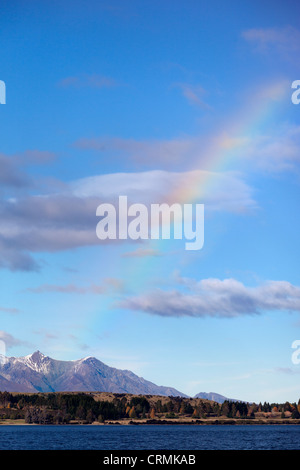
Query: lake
(150, 437)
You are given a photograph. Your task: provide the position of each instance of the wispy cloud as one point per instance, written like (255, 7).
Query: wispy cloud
(87, 81)
(47, 335)
(54, 339)
(66, 289)
(147, 153)
(107, 285)
(194, 94)
(277, 151)
(285, 41)
(11, 311)
(287, 370)
(226, 298)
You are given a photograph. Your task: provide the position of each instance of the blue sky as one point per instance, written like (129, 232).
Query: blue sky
(137, 96)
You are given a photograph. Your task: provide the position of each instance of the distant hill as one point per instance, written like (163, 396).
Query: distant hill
(39, 373)
(214, 397)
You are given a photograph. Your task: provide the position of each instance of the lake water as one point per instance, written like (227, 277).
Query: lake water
(275, 437)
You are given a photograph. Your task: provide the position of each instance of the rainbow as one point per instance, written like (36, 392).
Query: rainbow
(237, 133)
(221, 152)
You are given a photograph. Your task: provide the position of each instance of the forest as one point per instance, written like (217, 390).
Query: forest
(87, 408)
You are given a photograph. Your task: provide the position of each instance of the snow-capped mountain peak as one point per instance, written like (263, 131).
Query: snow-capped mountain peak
(39, 373)
(36, 361)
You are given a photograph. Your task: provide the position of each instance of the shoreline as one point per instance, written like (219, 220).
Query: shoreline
(163, 422)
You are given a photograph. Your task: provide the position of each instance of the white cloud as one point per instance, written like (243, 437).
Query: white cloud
(218, 191)
(211, 297)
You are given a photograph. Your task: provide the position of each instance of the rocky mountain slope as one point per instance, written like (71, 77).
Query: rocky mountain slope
(39, 373)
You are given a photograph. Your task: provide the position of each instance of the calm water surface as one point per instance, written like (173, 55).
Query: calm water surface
(166, 437)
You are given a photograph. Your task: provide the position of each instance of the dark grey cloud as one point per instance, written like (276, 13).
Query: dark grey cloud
(10, 174)
(65, 220)
(35, 156)
(44, 224)
(9, 340)
(14, 259)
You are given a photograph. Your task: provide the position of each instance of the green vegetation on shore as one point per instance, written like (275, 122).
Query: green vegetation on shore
(96, 407)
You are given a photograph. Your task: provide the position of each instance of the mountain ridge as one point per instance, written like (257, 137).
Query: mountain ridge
(39, 373)
(213, 396)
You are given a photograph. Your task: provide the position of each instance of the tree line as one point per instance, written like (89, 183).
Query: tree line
(63, 408)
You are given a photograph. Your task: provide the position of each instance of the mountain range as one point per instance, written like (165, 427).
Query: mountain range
(213, 396)
(39, 373)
